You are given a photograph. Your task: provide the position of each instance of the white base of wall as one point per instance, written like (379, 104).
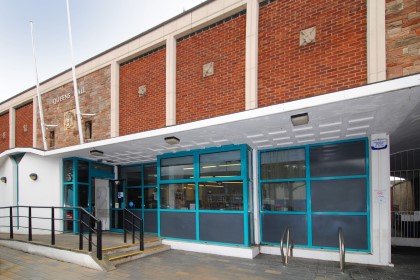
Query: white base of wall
(411, 242)
(229, 251)
(325, 255)
(53, 253)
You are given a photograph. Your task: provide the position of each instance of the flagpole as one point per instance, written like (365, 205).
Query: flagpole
(41, 113)
(76, 93)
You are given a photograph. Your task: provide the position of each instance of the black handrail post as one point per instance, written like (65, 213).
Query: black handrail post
(99, 240)
(80, 231)
(11, 222)
(124, 229)
(52, 226)
(133, 227)
(90, 235)
(30, 222)
(141, 235)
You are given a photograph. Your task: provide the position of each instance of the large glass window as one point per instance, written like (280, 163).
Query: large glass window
(176, 168)
(131, 175)
(222, 164)
(177, 196)
(315, 190)
(150, 198)
(286, 196)
(283, 164)
(83, 171)
(68, 170)
(134, 198)
(221, 195)
(150, 177)
(68, 195)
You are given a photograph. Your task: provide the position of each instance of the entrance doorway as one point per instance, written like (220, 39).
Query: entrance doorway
(101, 201)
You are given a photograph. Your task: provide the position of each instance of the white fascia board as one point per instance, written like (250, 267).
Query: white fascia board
(302, 104)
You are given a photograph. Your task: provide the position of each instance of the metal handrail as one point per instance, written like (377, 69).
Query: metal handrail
(285, 257)
(132, 222)
(82, 224)
(342, 250)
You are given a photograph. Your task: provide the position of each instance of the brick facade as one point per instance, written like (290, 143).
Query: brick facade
(141, 113)
(335, 61)
(4, 132)
(24, 126)
(222, 93)
(402, 37)
(95, 98)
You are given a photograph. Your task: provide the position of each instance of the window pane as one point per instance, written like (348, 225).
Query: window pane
(150, 175)
(83, 171)
(134, 198)
(341, 159)
(83, 196)
(102, 167)
(68, 170)
(176, 168)
(132, 175)
(68, 195)
(339, 195)
(221, 195)
(273, 226)
(150, 198)
(283, 164)
(220, 164)
(177, 196)
(287, 196)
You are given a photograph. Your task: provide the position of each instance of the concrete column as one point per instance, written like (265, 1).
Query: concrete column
(170, 81)
(115, 99)
(35, 120)
(251, 55)
(380, 224)
(12, 128)
(257, 223)
(376, 52)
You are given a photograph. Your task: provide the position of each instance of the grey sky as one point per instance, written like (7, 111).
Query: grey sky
(97, 25)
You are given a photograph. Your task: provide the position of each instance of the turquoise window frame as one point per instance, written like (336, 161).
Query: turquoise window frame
(308, 179)
(92, 173)
(197, 180)
(142, 186)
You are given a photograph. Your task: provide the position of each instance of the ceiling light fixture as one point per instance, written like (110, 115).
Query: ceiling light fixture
(3, 179)
(33, 176)
(96, 153)
(171, 140)
(300, 119)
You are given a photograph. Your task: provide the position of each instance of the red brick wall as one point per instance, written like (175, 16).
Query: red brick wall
(336, 61)
(222, 93)
(96, 99)
(24, 121)
(4, 128)
(402, 37)
(141, 113)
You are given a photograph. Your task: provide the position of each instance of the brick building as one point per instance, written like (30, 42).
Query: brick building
(230, 122)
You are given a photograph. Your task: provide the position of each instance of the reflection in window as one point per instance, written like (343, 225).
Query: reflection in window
(222, 164)
(83, 196)
(150, 198)
(150, 175)
(176, 168)
(221, 195)
(287, 196)
(68, 195)
(134, 198)
(132, 175)
(177, 196)
(68, 170)
(283, 164)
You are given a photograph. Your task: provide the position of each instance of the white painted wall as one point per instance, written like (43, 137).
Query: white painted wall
(7, 191)
(45, 191)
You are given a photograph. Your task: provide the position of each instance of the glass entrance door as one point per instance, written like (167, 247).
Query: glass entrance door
(117, 204)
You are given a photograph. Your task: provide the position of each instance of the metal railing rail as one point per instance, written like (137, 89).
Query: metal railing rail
(129, 222)
(285, 257)
(83, 216)
(342, 249)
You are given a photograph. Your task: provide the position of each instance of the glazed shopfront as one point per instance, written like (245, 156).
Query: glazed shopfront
(206, 195)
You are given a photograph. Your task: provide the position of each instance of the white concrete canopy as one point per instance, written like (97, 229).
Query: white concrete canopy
(391, 107)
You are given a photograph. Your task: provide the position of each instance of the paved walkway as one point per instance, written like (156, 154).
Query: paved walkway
(175, 264)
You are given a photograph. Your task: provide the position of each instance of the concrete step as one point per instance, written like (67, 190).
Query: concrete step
(131, 247)
(119, 258)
